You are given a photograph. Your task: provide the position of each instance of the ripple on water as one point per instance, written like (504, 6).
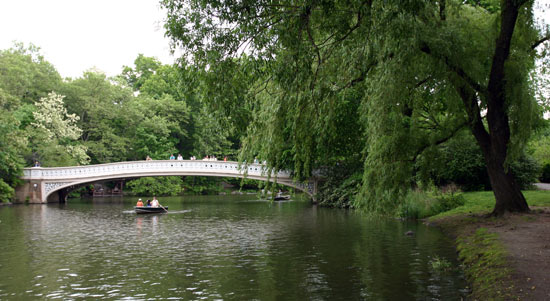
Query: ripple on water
(217, 250)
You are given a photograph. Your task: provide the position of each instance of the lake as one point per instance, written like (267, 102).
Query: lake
(232, 247)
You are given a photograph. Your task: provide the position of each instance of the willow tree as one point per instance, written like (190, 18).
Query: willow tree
(421, 70)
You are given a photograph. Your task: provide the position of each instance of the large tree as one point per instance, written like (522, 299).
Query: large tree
(54, 134)
(100, 105)
(422, 71)
(25, 76)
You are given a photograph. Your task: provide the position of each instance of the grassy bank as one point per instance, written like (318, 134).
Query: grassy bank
(482, 202)
(482, 253)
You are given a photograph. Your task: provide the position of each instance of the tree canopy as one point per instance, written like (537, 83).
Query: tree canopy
(150, 109)
(398, 77)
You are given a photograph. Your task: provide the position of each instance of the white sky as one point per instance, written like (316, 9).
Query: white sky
(76, 35)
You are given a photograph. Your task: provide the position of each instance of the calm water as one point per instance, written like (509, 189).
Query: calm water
(226, 247)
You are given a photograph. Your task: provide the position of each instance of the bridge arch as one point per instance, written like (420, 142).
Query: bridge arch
(41, 183)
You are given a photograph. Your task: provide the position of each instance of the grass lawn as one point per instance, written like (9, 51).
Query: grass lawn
(481, 202)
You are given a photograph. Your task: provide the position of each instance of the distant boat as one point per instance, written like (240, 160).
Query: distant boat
(143, 210)
(282, 198)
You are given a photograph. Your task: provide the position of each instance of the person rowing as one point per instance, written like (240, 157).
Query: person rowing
(155, 202)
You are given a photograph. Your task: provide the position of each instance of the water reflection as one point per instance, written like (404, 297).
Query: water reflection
(217, 248)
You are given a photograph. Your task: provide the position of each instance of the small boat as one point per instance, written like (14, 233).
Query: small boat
(142, 210)
(282, 198)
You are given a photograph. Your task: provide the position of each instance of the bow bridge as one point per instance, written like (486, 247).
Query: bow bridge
(42, 185)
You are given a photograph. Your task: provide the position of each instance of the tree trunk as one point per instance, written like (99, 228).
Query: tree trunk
(495, 143)
(508, 195)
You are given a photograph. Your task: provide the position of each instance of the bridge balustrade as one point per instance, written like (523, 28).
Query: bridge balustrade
(42, 182)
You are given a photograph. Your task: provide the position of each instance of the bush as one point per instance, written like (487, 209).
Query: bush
(460, 161)
(156, 186)
(6, 192)
(446, 202)
(545, 177)
(418, 204)
(202, 185)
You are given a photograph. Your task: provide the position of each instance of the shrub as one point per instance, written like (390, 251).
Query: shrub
(6, 192)
(418, 204)
(526, 170)
(446, 202)
(156, 186)
(545, 177)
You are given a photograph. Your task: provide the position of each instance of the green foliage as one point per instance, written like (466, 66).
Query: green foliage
(340, 183)
(438, 264)
(485, 260)
(418, 204)
(414, 206)
(25, 76)
(459, 161)
(211, 137)
(6, 192)
(539, 146)
(526, 171)
(12, 144)
(54, 134)
(156, 186)
(341, 196)
(202, 185)
(446, 202)
(145, 68)
(103, 117)
(397, 78)
(491, 6)
(166, 93)
(545, 178)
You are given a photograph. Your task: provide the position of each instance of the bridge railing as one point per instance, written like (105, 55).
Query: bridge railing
(149, 167)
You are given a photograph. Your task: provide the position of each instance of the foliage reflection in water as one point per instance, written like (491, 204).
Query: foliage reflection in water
(226, 247)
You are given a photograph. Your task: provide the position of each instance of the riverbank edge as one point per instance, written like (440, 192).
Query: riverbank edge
(486, 260)
(483, 257)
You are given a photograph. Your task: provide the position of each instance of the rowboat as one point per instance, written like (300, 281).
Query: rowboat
(143, 210)
(282, 198)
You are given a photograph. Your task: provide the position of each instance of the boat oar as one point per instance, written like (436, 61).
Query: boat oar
(163, 208)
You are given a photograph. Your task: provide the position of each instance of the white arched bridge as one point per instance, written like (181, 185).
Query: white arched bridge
(42, 185)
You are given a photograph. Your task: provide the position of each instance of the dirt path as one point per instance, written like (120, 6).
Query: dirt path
(527, 239)
(543, 186)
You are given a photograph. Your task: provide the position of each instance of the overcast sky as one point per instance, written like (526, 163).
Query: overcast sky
(76, 35)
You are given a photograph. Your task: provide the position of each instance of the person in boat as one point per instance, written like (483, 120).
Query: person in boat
(139, 203)
(279, 193)
(155, 202)
(148, 203)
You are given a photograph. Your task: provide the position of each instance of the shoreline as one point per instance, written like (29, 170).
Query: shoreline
(505, 258)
